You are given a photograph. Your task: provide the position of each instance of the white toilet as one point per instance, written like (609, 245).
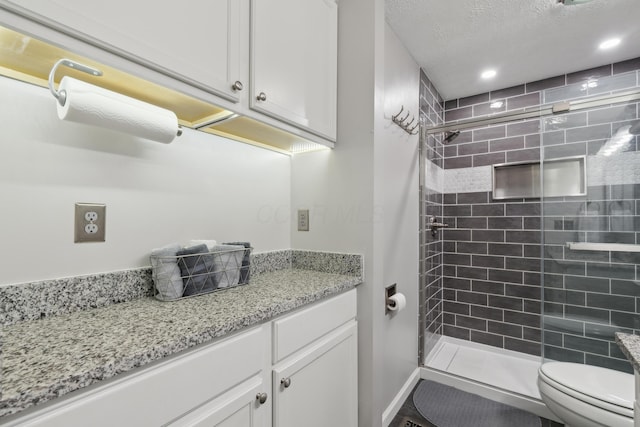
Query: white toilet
(587, 396)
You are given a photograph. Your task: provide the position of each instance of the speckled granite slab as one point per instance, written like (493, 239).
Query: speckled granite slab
(37, 300)
(52, 356)
(328, 262)
(630, 346)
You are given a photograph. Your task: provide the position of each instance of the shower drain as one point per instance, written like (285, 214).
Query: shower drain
(408, 422)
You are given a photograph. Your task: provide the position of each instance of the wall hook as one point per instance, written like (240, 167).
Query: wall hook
(394, 118)
(402, 122)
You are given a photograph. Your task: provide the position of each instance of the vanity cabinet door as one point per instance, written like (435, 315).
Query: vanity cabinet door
(199, 41)
(317, 387)
(244, 406)
(294, 62)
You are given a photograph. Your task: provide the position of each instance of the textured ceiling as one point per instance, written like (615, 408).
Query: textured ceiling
(524, 40)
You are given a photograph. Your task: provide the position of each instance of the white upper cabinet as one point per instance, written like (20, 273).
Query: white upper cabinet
(273, 61)
(199, 43)
(294, 62)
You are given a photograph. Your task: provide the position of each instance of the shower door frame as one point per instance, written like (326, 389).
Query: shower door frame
(539, 111)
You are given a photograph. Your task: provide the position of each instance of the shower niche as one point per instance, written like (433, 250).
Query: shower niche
(561, 177)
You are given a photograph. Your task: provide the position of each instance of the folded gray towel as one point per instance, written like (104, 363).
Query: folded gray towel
(228, 260)
(245, 270)
(166, 273)
(196, 266)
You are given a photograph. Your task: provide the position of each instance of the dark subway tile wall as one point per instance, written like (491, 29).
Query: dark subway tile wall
(492, 274)
(486, 251)
(562, 136)
(431, 256)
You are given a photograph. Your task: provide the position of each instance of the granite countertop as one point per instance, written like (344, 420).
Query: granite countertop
(47, 358)
(630, 346)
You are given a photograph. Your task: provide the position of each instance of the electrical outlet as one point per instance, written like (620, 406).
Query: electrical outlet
(90, 220)
(91, 216)
(303, 219)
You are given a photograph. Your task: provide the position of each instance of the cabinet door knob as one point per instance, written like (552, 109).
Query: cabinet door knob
(261, 397)
(286, 382)
(237, 86)
(261, 96)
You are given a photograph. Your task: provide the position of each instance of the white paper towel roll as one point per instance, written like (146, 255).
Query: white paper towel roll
(397, 302)
(96, 106)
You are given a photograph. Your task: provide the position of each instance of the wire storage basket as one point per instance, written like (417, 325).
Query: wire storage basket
(198, 270)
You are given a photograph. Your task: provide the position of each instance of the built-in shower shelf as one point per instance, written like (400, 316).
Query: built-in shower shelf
(611, 247)
(560, 178)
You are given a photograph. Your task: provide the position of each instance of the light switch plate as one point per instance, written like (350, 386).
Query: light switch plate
(303, 219)
(90, 221)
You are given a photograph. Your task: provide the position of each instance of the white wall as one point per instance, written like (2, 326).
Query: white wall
(337, 186)
(397, 196)
(363, 197)
(200, 186)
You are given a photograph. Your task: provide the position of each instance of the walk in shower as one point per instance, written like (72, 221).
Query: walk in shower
(540, 260)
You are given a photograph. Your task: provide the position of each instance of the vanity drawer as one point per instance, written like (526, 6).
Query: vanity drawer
(294, 331)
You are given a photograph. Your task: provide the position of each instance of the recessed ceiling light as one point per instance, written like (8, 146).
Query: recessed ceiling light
(608, 44)
(488, 74)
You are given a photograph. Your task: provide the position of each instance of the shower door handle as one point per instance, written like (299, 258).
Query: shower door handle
(435, 226)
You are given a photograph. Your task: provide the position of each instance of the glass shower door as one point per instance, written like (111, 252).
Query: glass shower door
(590, 233)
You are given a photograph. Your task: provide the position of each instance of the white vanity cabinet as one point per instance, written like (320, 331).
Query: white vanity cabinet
(636, 401)
(315, 365)
(294, 62)
(297, 369)
(318, 386)
(199, 42)
(243, 406)
(215, 374)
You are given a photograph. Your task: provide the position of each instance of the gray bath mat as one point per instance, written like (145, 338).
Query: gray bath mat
(446, 406)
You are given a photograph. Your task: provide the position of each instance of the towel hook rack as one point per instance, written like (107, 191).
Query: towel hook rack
(61, 96)
(402, 122)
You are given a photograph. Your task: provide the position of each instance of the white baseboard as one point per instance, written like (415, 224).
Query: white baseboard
(396, 403)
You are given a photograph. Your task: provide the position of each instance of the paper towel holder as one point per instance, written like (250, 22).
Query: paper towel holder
(61, 96)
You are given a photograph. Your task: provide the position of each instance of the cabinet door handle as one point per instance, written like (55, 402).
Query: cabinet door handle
(261, 96)
(286, 382)
(237, 86)
(261, 397)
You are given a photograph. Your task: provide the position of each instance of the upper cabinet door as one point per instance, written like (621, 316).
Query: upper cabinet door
(294, 62)
(198, 42)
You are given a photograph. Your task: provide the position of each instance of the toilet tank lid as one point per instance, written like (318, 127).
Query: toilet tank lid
(599, 383)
